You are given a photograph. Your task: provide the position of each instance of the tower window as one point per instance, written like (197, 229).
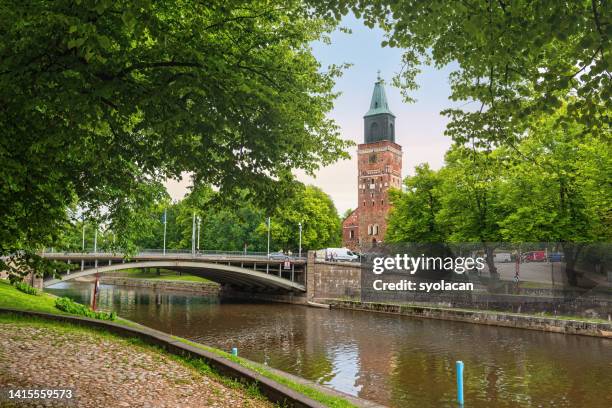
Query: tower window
(375, 229)
(351, 234)
(372, 158)
(372, 203)
(374, 130)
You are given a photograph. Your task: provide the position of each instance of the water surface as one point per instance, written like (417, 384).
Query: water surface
(394, 360)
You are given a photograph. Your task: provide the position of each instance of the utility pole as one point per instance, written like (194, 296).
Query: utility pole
(165, 223)
(300, 247)
(96, 245)
(268, 222)
(193, 226)
(199, 222)
(83, 246)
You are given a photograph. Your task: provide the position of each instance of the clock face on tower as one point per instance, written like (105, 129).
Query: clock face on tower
(379, 169)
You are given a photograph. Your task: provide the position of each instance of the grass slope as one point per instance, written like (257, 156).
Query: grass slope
(164, 275)
(12, 298)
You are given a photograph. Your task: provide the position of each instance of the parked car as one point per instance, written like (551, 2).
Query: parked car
(556, 257)
(534, 256)
(278, 255)
(502, 257)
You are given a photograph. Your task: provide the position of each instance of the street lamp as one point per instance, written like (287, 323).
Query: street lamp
(268, 222)
(193, 232)
(96, 244)
(165, 223)
(199, 222)
(300, 246)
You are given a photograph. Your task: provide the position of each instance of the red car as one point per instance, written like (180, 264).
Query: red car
(534, 256)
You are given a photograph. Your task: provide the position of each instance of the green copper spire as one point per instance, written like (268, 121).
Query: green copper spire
(379, 103)
(379, 122)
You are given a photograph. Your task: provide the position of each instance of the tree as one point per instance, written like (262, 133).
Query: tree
(414, 212)
(101, 101)
(316, 211)
(460, 203)
(517, 60)
(559, 191)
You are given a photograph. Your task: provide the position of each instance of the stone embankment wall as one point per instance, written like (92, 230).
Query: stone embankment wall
(332, 279)
(205, 288)
(549, 324)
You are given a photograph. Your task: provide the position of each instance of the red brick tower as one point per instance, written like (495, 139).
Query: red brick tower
(379, 168)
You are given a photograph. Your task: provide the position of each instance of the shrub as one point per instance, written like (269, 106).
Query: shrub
(25, 288)
(69, 306)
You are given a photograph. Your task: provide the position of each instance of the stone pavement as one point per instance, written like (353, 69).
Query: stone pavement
(105, 371)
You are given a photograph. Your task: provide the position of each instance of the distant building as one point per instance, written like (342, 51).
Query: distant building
(379, 168)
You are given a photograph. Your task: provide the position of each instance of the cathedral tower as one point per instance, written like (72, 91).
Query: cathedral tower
(379, 168)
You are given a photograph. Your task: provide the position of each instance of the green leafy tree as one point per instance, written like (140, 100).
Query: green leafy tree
(316, 211)
(414, 212)
(103, 100)
(560, 190)
(516, 60)
(471, 204)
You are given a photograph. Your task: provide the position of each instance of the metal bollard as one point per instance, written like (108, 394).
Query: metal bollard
(459, 365)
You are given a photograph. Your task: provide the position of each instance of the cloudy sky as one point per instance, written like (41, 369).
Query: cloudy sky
(419, 126)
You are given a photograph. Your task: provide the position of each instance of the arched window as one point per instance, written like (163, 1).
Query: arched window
(375, 229)
(351, 234)
(370, 229)
(391, 130)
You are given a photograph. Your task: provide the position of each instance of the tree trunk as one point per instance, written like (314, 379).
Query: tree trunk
(570, 252)
(570, 271)
(491, 263)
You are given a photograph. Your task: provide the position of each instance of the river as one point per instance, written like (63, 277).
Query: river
(394, 360)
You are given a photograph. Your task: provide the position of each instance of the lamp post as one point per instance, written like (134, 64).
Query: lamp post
(199, 222)
(96, 245)
(300, 246)
(83, 246)
(268, 222)
(165, 223)
(193, 227)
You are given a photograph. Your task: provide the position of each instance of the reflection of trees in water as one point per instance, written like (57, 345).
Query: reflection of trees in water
(395, 360)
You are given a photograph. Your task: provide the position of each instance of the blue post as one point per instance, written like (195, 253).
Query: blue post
(234, 351)
(460, 382)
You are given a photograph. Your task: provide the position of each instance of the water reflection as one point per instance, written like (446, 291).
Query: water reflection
(393, 360)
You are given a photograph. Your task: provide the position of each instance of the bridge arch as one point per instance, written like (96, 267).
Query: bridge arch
(217, 272)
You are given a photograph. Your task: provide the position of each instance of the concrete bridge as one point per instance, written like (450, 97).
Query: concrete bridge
(247, 272)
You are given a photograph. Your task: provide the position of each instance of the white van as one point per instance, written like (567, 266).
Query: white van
(337, 254)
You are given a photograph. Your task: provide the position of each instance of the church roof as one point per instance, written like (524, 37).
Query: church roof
(379, 103)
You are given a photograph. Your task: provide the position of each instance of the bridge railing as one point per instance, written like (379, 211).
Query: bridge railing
(184, 253)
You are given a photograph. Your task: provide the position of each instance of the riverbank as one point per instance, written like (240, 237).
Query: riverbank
(17, 306)
(565, 325)
(105, 370)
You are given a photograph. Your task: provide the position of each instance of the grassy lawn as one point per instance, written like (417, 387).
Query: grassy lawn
(12, 298)
(164, 275)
